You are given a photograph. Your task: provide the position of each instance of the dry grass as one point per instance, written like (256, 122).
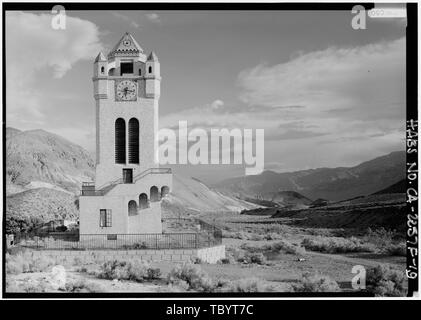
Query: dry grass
(127, 270)
(384, 281)
(336, 245)
(25, 261)
(82, 285)
(316, 283)
(279, 246)
(247, 285)
(193, 276)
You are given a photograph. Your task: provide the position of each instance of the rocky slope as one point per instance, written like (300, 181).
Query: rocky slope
(35, 157)
(327, 183)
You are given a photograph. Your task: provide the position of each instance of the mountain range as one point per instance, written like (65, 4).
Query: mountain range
(333, 184)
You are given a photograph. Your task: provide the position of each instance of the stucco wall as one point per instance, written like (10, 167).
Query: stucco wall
(108, 111)
(146, 221)
(208, 255)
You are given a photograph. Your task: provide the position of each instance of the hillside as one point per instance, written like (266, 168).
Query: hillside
(39, 156)
(374, 211)
(33, 207)
(398, 187)
(328, 183)
(193, 196)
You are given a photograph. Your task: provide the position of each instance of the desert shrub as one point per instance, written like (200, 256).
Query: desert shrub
(381, 237)
(396, 249)
(336, 245)
(82, 285)
(320, 232)
(225, 261)
(29, 286)
(256, 237)
(193, 275)
(82, 269)
(282, 245)
(25, 261)
(315, 283)
(153, 273)
(196, 260)
(285, 246)
(35, 286)
(273, 236)
(127, 270)
(249, 247)
(384, 281)
(247, 285)
(255, 257)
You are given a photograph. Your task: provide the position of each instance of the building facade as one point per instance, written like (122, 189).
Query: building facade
(129, 185)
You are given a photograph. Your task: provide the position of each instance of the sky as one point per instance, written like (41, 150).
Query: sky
(325, 94)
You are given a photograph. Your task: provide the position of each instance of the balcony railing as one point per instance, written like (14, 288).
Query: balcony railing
(88, 188)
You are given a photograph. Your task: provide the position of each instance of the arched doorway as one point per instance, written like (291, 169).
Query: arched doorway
(132, 206)
(164, 191)
(154, 194)
(143, 201)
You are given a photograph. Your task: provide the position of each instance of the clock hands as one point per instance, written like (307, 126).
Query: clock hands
(126, 92)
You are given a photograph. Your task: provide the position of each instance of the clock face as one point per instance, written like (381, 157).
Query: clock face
(126, 90)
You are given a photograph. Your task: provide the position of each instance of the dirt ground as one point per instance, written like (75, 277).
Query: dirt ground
(282, 269)
(285, 269)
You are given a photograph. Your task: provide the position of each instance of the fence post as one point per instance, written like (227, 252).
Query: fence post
(195, 240)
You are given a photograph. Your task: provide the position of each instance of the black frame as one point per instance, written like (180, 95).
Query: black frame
(411, 100)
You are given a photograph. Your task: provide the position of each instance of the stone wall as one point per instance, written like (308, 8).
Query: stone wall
(207, 255)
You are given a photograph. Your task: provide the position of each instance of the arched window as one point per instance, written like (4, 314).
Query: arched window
(140, 72)
(164, 191)
(133, 140)
(132, 208)
(154, 194)
(111, 72)
(143, 201)
(120, 141)
(150, 69)
(102, 69)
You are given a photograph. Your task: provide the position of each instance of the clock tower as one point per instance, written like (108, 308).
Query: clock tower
(127, 176)
(126, 90)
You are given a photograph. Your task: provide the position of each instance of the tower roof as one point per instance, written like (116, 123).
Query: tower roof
(127, 46)
(100, 57)
(152, 56)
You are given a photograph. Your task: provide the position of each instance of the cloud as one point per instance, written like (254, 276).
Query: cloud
(330, 106)
(217, 104)
(361, 79)
(32, 47)
(32, 43)
(153, 17)
(129, 20)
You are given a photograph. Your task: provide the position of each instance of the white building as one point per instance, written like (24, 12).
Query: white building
(129, 185)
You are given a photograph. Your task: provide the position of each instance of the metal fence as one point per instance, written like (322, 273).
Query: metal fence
(207, 236)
